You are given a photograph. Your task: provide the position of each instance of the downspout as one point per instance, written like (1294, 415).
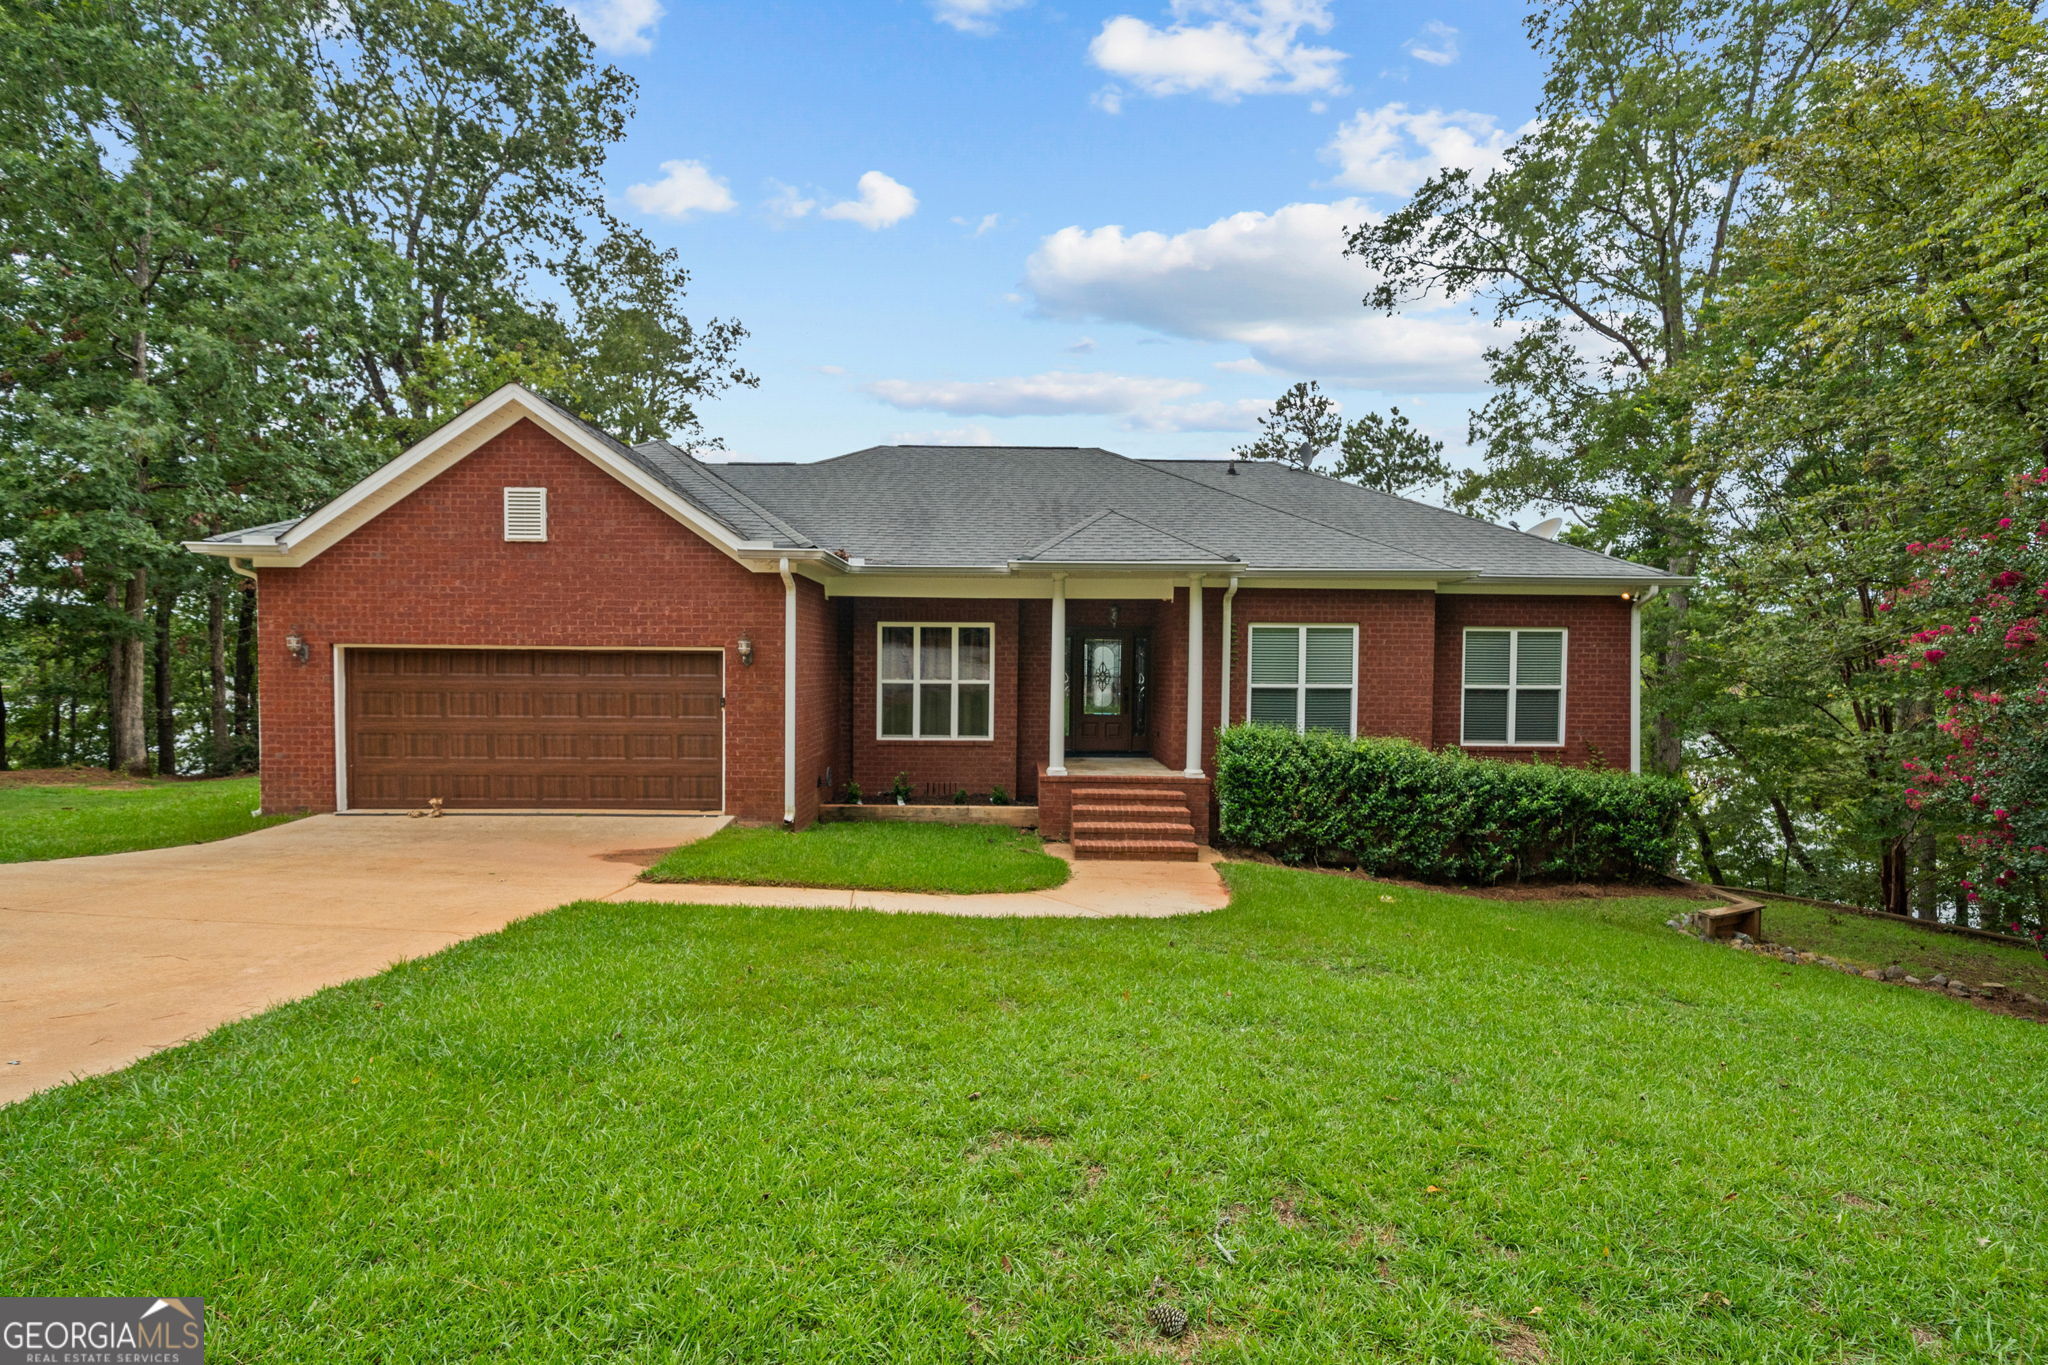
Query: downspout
(1223, 689)
(788, 694)
(1635, 685)
(248, 573)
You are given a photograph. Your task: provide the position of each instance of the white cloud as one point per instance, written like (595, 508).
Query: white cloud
(970, 435)
(973, 16)
(1242, 365)
(1247, 47)
(1053, 394)
(1083, 346)
(979, 226)
(1277, 284)
(882, 203)
(1239, 414)
(685, 188)
(1109, 99)
(1437, 44)
(1391, 150)
(832, 369)
(618, 25)
(788, 202)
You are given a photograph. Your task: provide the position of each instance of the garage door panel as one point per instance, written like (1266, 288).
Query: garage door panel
(548, 730)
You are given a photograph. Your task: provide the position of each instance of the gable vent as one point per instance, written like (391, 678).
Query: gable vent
(526, 514)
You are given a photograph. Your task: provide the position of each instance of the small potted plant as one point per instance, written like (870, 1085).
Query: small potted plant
(901, 789)
(853, 793)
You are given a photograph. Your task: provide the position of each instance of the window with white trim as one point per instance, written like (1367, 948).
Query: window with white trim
(1303, 677)
(526, 514)
(934, 681)
(1514, 687)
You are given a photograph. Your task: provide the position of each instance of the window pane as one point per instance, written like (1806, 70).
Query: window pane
(935, 652)
(935, 710)
(1537, 716)
(1486, 717)
(1273, 706)
(974, 711)
(1486, 658)
(974, 652)
(897, 642)
(1276, 655)
(1328, 708)
(1329, 656)
(1102, 683)
(896, 709)
(1539, 658)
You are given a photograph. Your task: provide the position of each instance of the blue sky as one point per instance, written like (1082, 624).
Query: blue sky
(1060, 224)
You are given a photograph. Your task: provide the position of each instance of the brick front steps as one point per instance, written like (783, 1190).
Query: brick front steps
(1148, 823)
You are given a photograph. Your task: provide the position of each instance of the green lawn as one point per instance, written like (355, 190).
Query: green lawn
(1335, 1122)
(71, 821)
(875, 856)
(1873, 942)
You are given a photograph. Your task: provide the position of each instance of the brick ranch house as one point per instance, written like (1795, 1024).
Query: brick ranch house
(521, 612)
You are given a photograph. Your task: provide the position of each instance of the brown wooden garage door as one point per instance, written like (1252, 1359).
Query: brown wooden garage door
(538, 729)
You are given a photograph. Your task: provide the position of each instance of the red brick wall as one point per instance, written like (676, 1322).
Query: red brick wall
(1396, 658)
(1599, 674)
(435, 569)
(942, 765)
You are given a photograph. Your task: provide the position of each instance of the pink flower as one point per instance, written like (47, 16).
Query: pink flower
(1934, 655)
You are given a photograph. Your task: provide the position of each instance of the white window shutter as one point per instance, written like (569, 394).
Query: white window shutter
(526, 514)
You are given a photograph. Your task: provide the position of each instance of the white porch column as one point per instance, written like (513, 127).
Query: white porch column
(1056, 687)
(1194, 749)
(788, 695)
(1635, 684)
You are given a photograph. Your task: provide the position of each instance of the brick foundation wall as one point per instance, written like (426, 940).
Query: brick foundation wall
(1599, 674)
(615, 572)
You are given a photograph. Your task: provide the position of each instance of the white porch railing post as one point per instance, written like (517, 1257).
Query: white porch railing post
(1194, 749)
(1056, 687)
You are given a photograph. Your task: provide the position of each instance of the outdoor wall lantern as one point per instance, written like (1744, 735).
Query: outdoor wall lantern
(746, 651)
(296, 646)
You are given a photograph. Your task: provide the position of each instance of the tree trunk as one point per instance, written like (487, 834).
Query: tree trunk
(245, 663)
(166, 690)
(1789, 832)
(1927, 886)
(1708, 864)
(217, 738)
(1893, 879)
(127, 742)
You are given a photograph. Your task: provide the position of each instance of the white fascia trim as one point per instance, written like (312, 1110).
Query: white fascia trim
(442, 449)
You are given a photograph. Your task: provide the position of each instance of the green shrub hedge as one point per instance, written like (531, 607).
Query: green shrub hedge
(1392, 807)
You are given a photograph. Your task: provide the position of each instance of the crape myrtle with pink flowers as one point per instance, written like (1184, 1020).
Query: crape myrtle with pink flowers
(1980, 610)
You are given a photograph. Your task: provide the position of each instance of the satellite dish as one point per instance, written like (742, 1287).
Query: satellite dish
(1547, 528)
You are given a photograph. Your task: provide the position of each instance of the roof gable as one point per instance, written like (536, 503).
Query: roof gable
(288, 544)
(1110, 537)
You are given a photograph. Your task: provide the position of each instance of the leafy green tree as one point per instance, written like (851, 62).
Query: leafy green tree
(1390, 454)
(1870, 369)
(174, 295)
(474, 136)
(1601, 243)
(1301, 427)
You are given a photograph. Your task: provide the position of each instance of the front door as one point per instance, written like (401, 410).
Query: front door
(1106, 690)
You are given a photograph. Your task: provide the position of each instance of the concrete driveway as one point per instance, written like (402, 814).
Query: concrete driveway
(103, 960)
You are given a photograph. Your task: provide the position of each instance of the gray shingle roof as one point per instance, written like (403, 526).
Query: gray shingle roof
(1495, 551)
(1110, 537)
(986, 506)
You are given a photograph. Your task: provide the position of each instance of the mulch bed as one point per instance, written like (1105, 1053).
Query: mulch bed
(1520, 891)
(98, 778)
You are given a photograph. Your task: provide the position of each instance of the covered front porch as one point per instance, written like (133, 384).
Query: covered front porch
(1097, 698)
